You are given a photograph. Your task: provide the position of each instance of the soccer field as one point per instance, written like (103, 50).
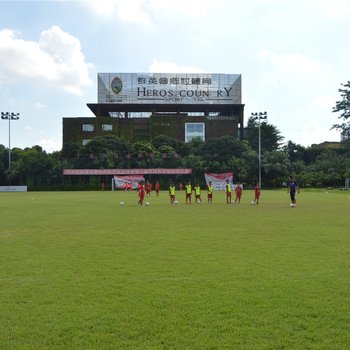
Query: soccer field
(80, 271)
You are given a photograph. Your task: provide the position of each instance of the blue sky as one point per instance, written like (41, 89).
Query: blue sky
(293, 56)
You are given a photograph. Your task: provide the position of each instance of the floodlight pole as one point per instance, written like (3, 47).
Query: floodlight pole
(258, 116)
(9, 116)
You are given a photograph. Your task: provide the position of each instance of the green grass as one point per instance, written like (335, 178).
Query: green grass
(79, 271)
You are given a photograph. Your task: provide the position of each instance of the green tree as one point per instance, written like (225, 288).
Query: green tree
(180, 147)
(270, 136)
(295, 152)
(343, 106)
(221, 149)
(275, 167)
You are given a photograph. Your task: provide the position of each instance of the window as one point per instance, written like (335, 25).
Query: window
(107, 127)
(194, 130)
(85, 142)
(88, 127)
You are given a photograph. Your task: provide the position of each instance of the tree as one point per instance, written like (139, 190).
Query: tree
(343, 106)
(276, 167)
(220, 149)
(270, 136)
(180, 147)
(295, 152)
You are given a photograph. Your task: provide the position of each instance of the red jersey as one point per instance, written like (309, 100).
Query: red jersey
(148, 188)
(257, 191)
(141, 191)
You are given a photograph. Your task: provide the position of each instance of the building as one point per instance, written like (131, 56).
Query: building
(345, 136)
(140, 106)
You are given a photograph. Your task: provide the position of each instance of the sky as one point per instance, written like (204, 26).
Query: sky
(293, 57)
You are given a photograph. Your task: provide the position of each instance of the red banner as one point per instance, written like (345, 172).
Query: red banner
(151, 171)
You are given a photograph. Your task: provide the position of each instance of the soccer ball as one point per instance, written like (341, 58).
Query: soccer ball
(147, 203)
(121, 203)
(199, 202)
(292, 205)
(252, 202)
(176, 202)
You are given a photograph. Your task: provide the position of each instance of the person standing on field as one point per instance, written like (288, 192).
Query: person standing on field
(148, 188)
(228, 192)
(172, 192)
(157, 188)
(188, 189)
(256, 194)
(210, 193)
(292, 188)
(197, 192)
(238, 191)
(141, 193)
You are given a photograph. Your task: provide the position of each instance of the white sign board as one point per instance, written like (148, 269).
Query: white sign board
(13, 189)
(169, 88)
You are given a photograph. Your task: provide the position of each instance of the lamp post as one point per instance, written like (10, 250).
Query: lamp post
(258, 116)
(9, 116)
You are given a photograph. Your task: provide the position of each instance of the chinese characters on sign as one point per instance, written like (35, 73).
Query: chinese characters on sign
(173, 81)
(169, 88)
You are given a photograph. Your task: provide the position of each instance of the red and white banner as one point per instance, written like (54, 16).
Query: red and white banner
(133, 180)
(219, 180)
(158, 171)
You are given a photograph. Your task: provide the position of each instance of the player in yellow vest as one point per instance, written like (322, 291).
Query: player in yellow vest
(228, 192)
(197, 192)
(188, 189)
(210, 193)
(172, 192)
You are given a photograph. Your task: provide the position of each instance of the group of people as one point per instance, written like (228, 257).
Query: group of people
(145, 190)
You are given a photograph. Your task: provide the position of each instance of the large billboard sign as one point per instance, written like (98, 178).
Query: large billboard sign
(169, 88)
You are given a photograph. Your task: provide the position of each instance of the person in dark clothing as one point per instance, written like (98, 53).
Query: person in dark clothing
(292, 189)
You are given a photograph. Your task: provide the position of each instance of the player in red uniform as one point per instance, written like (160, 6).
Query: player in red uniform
(256, 194)
(148, 188)
(141, 193)
(238, 191)
(157, 188)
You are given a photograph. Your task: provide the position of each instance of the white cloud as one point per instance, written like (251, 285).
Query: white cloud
(50, 145)
(325, 102)
(187, 8)
(39, 105)
(313, 133)
(144, 11)
(56, 59)
(337, 9)
(292, 63)
(125, 10)
(171, 67)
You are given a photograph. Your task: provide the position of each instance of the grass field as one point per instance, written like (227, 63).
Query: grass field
(80, 271)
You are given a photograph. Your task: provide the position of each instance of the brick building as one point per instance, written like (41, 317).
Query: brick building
(140, 106)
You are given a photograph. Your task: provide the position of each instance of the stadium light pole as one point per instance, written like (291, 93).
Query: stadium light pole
(9, 116)
(258, 116)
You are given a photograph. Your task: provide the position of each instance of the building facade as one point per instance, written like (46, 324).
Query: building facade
(140, 106)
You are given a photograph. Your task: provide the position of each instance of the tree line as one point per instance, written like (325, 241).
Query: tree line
(314, 166)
